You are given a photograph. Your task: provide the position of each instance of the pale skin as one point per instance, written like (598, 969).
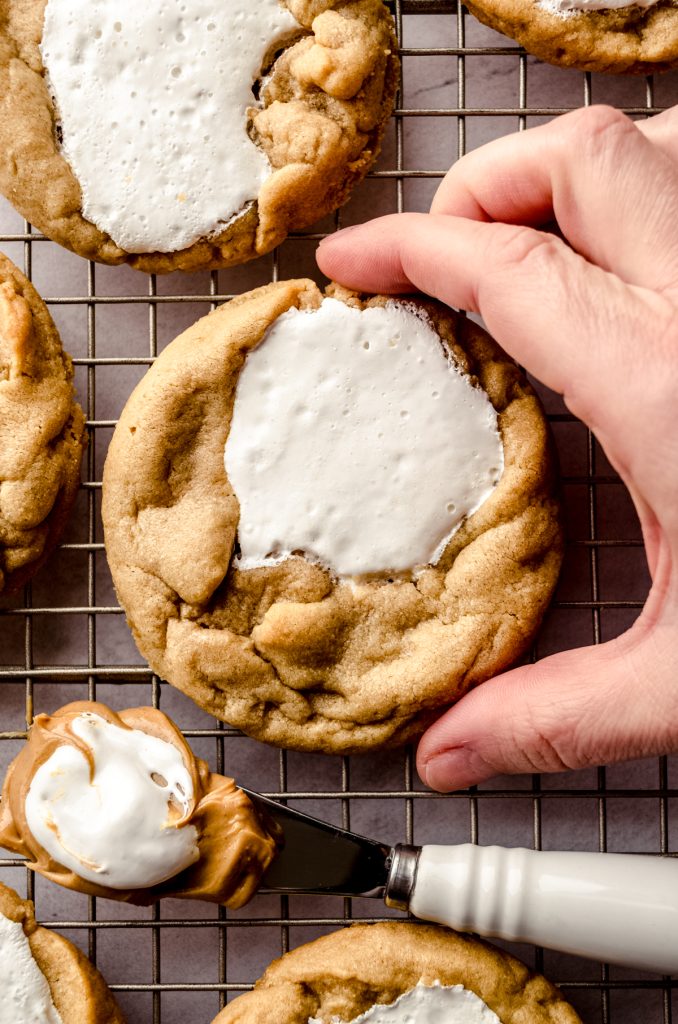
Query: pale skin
(594, 315)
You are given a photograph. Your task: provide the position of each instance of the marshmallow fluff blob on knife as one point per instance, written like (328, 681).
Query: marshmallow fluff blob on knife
(151, 100)
(25, 996)
(356, 440)
(114, 817)
(428, 1004)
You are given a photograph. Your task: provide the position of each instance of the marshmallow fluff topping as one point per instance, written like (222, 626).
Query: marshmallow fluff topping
(152, 102)
(25, 997)
(428, 1004)
(117, 820)
(568, 7)
(356, 441)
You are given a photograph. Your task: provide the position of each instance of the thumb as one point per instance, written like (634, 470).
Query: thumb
(594, 705)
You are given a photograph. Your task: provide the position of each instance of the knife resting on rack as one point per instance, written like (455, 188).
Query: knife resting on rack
(618, 908)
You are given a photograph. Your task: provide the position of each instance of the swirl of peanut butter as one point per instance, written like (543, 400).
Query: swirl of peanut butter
(234, 845)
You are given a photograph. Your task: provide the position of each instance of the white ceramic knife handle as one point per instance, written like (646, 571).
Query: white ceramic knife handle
(618, 908)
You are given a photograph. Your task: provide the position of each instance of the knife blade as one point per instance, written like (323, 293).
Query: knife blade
(618, 908)
(321, 858)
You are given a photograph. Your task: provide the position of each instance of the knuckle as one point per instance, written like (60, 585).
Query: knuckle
(597, 127)
(554, 729)
(525, 248)
(544, 746)
(549, 745)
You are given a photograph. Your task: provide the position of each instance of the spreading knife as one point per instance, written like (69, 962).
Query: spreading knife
(617, 908)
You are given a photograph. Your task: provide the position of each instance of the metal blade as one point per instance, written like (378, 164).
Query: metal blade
(320, 858)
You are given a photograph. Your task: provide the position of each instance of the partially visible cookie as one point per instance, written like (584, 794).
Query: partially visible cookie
(172, 136)
(328, 517)
(592, 35)
(117, 805)
(366, 968)
(42, 431)
(45, 978)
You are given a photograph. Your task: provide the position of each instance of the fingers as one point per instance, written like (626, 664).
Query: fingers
(544, 304)
(596, 705)
(607, 181)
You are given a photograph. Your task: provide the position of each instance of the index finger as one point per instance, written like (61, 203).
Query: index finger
(612, 190)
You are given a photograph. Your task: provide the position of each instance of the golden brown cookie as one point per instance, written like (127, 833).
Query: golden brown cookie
(632, 40)
(287, 652)
(230, 847)
(78, 991)
(322, 106)
(42, 431)
(342, 975)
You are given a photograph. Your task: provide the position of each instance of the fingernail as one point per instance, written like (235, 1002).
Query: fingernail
(450, 769)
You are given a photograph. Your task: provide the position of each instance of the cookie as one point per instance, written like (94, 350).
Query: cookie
(365, 969)
(43, 977)
(42, 431)
(117, 805)
(310, 537)
(180, 136)
(592, 35)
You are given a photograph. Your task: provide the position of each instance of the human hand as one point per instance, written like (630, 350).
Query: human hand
(597, 321)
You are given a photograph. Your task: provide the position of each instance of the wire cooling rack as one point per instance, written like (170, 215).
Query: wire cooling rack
(65, 637)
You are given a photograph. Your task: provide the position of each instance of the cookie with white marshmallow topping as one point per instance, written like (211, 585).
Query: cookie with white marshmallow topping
(117, 805)
(396, 973)
(612, 36)
(188, 135)
(44, 977)
(328, 517)
(42, 431)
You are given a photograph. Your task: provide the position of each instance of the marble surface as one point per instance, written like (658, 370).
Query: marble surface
(104, 314)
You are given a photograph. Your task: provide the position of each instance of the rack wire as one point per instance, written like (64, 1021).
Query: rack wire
(65, 638)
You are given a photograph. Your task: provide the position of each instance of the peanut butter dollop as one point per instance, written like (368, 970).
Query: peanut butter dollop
(235, 846)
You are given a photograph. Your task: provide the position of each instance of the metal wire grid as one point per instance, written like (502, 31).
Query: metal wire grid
(609, 995)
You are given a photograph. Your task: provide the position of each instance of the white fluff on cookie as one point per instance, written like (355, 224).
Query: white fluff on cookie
(152, 101)
(25, 996)
(568, 7)
(428, 1004)
(114, 816)
(357, 441)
